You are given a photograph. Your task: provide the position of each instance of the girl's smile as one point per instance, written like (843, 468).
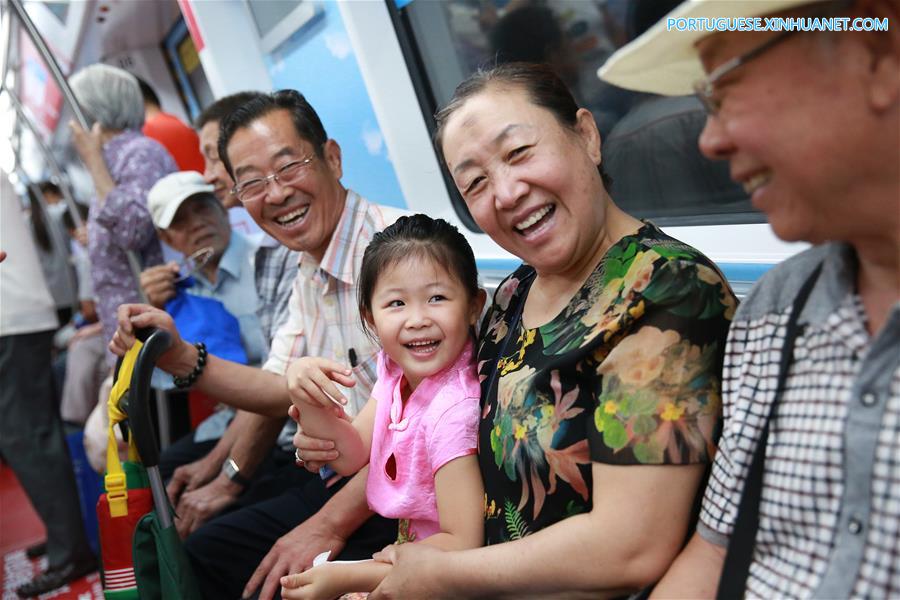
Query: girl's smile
(422, 316)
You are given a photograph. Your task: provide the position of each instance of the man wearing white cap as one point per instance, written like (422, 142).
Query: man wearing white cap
(804, 495)
(190, 219)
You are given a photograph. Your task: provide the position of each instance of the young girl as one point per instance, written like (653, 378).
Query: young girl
(419, 295)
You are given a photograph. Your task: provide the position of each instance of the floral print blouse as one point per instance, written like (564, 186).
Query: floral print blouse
(627, 374)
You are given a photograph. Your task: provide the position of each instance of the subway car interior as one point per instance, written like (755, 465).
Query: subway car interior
(376, 72)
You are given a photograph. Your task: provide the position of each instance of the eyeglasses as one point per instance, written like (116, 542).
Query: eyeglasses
(254, 190)
(705, 88)
(194, 262)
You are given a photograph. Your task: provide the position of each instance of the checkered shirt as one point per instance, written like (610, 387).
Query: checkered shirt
(276, 269)
(323, 317)
(830, 508)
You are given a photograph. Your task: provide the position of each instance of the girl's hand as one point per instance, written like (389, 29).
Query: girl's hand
(310, 381)
(319, 583)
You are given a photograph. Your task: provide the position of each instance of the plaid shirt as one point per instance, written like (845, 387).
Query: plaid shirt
(276, 269)
(830, 509)
(323, 318)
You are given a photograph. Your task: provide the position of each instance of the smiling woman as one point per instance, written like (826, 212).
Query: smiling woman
(601, 353)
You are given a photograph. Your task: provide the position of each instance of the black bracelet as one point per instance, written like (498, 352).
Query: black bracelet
(186, 382)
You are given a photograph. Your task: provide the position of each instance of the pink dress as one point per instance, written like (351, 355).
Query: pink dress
(410, 443)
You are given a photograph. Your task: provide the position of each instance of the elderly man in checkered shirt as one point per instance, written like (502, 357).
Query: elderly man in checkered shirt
(810, 124)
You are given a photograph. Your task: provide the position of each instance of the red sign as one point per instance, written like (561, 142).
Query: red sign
(40, 94)
(188, 12)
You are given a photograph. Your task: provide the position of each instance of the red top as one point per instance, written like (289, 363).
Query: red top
(180, 140)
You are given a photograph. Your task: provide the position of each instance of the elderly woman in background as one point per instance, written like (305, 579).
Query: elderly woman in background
(599, 360)
(124, 165)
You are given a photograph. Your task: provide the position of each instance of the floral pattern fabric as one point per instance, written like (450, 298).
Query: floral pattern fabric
(627, 374)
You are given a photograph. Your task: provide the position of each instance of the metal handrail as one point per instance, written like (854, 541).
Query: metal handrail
(48, 156)
(50, 60)
(6, 36)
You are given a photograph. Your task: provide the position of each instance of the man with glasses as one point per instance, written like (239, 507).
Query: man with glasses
(804, 495)
(287, 175)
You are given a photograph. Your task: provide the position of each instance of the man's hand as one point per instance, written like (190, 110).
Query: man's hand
(315, 452)
(412, 574)
(196, 507)
(136, 316)
(293, 553)
(191, 476)
(158, 283)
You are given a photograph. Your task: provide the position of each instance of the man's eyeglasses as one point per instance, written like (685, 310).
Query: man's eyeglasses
(254, 190)
(705, 88)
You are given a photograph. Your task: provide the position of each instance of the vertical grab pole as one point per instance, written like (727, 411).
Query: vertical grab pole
(48, 156)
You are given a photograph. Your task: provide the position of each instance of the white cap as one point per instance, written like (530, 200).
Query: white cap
(666, 62)
(168, 193)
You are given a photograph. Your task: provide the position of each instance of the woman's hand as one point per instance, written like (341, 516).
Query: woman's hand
(88, 144)
(314, 452)
(310, 381)
(139, 316)
(412, 575)
(324, 582)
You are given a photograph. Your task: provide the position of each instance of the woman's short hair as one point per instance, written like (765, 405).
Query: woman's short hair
(110, 96)
(539, 81)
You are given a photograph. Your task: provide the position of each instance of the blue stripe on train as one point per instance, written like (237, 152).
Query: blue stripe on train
(743, 273)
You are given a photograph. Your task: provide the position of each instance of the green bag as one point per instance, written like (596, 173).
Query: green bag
(161, 566)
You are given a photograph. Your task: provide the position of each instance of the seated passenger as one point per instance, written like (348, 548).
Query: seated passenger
(599, 362)
(419, 296)
(805, 490)
(289, 178)
(191, 219)
(197, 487)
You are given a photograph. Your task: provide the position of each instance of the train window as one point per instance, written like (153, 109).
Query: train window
(59, 9)
(649, 142)
(276, 21)
(182, 57)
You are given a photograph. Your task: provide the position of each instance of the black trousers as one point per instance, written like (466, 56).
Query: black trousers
(226, 551)
(32, 442)
(276, 474)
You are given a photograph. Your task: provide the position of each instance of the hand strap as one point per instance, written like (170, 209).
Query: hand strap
(736, 567)
(115, 482)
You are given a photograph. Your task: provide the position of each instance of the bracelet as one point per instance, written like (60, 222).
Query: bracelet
(186, 382)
